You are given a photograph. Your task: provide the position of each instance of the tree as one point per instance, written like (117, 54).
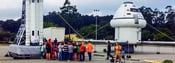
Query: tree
(109, 37)
(70, 14)
(49, 24)
(104, 31)
(146, 35)
(11, 25)
(157, 24)
(88, 31)
(170, 18)
(147, 13)
(6, 35)
(154, 17)
(170, 13)
(164, 35)
(158, 18)
(68, 8)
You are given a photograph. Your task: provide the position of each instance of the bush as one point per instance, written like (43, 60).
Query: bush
(167, 61)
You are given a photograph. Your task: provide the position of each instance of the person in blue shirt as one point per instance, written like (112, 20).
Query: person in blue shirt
(65, 51)
(70, 50)
(123, 54)
(60, 51)
(55, 42)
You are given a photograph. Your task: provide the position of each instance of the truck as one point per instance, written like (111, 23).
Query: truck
(54, 32)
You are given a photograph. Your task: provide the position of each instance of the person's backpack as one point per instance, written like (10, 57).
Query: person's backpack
(47, 46)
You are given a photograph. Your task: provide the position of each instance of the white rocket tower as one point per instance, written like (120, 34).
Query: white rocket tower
(34, 22)
(30, 32)
(128, 22)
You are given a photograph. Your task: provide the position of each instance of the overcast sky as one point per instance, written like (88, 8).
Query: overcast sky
(11, 9)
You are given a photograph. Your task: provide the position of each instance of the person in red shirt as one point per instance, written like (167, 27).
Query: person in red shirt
(82, 51)
(48, 49)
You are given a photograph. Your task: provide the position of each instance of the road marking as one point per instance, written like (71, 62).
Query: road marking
(152, 61)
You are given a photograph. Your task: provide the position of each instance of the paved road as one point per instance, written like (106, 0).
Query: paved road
(142, 53)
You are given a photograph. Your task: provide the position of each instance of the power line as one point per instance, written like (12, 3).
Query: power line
(99, 28)
(160, 31)
(70, 25)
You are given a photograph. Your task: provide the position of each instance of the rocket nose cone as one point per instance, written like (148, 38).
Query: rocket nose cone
(128, 15)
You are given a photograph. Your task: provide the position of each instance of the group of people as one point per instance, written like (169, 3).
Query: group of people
(119, 53)
(76, 52)
(66, 50)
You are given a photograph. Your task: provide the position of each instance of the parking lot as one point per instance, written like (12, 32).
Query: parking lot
(142, 54)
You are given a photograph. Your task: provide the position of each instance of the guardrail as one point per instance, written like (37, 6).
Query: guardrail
(164, 43)
(6, 42)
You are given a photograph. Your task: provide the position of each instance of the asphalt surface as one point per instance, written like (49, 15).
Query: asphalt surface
(141, 53)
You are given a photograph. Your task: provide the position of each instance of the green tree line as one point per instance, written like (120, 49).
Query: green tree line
(161, 24)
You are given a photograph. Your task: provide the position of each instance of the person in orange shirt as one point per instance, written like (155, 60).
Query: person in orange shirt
(118, 52)
(89, 50)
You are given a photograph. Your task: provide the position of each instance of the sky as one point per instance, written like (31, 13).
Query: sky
(11, 9)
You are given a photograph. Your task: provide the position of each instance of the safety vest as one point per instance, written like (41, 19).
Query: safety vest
(89, 47)
(118, 49)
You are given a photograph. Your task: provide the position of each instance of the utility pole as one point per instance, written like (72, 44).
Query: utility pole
(96, 19)
(96, 32)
